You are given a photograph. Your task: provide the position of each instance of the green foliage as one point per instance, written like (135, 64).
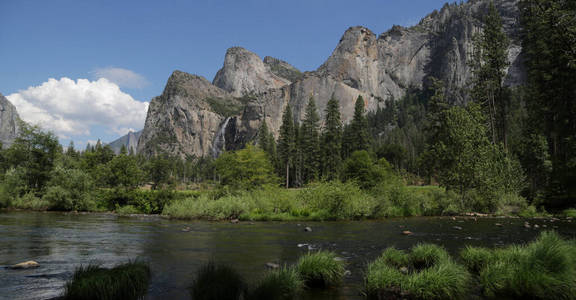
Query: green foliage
(70, 189)
(123, 171)
(282, 284)
(287, 145)
(543, 269)
(331, 141)
(427, 272)
(362, 168)
(215, 282)
(126, 281)
(310, 143)
(225, 107)
(356, 136)
(245, 169)
(337, 201)
(569, 213)
(320, 269)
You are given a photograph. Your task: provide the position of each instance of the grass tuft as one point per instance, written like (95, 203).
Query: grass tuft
(281, 284)
(427, 272)
(214, 282)
(542, 269)
(126, 281)
(320, 269)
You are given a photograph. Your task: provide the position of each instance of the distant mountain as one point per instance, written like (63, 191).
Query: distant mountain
(9, 122)
(130, 140)
(194, 117)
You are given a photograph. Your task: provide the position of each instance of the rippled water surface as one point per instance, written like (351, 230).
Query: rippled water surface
(61, 242)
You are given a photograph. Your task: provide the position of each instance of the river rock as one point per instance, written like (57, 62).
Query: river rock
(404, 270)
(273, 266)
(499, 224)
(347, 273)
(407, 232)
(457, 227)
(234, 221)
(307, 229)
(25, 265)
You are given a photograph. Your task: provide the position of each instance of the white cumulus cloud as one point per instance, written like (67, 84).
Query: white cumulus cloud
(122, 77)
(69, 107)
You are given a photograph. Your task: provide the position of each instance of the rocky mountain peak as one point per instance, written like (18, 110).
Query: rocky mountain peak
(9, 122)
(245, 73)
(282, 69)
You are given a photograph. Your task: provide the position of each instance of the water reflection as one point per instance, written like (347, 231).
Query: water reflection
(61, 242)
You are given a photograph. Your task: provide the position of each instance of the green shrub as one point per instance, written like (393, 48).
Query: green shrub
(282, 284)
(127, 281)
(427, 272)
(338, 200)
(476, 258)
(543, 269)
(30, 201)
(127, 210)
(320, 269)
(570, 213)
(215, 282)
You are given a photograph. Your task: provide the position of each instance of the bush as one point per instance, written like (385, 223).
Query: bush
(338, 200)
(215, 282)
(569, 213)
(427, 272)
(127, 281)
(284, 283)
(69, 189)
(543, 269)
(320, 269)
(362, 168)
(30, 201)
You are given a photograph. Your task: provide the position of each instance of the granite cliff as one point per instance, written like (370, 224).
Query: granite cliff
(9, 122)
(194, 117)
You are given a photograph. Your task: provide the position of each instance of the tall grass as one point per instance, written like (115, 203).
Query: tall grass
(427, 272)
(320, 201)
(320, 269)
(215, 282)
(282, 284)
(542, 269)
(126, 281)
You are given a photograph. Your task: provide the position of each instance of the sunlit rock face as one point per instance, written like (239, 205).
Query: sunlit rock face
(194, 117)
(9, 122)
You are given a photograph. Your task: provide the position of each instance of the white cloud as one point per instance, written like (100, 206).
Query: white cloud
(69, 107)
(122, 77)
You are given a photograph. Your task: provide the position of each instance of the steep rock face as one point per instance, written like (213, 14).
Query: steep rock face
(282, 69)
(440, 45)
(194, 117)
(130, 141)
(185, 119)
(244, 73)
(9, 122)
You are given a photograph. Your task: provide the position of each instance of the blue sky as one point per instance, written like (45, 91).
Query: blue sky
(135, 45)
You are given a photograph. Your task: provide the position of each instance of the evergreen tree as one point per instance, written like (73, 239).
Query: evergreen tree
(287, 144)
(310, 144)
(331, 141)
(490, 61)
(359, 127)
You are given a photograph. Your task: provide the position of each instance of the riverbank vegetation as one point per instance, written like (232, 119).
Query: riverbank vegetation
(491, 149)
(126, 281)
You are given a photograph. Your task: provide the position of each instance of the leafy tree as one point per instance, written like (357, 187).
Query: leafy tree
(160, 169)
(310, 143)
(123, 172)
(35, 152)
(331, 143)
(287, 143)
(489, 64)
(246, 169)
(362, 168)
(70, 189)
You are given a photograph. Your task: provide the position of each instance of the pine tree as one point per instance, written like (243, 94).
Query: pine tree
(287, 144)
(310, 144)
(490, 60)
(359, 127)
(331, 141)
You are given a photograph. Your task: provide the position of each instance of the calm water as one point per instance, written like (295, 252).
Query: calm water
(62, 242)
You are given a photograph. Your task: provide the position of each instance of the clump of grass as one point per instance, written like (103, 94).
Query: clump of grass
(476, 258)
(320, 269)
(427, 272)
(215, 282)
(543, 269)
(282, 284)
(126, 281)
(570, 213)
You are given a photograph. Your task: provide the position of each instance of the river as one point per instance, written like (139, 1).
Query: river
(60, 242)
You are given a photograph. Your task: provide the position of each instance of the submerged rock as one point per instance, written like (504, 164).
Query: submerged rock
(25, 265)
(307, 229)
(271, 265)
(407, 232)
